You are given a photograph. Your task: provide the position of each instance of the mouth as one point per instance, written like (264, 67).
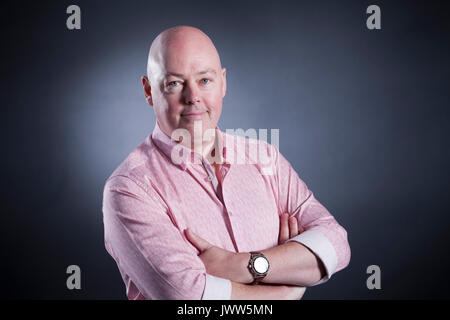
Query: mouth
(193, 115)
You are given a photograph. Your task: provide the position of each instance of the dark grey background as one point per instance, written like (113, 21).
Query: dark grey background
(363, 118)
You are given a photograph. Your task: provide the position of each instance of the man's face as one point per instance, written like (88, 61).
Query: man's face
(187, 85)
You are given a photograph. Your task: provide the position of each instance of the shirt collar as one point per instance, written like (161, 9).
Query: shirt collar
(165, 144)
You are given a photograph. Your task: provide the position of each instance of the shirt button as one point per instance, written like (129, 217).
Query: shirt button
(230, 213)
(210, 178)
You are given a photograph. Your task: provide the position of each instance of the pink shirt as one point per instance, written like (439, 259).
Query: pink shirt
(149, 200)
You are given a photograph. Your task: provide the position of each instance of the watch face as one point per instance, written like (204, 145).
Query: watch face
(261, 265)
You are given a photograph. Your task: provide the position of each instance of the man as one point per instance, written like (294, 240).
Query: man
(181, 226)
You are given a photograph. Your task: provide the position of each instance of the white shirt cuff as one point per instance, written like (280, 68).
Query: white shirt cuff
(322, 248)
(217, 288)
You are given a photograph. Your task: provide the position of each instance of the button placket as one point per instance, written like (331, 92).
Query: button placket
(209, 171)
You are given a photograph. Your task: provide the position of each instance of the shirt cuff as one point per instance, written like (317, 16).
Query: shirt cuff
(322, 248)
(217, 288)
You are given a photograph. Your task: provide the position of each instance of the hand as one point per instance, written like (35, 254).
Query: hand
(289, 228)
(220, 262)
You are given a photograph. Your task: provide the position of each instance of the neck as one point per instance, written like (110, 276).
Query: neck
(201, 146)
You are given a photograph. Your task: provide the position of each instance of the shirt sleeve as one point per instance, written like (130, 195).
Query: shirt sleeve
(217, 288)
(323, 235)
(152, 254)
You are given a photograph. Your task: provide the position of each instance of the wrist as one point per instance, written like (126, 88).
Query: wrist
(241, 265)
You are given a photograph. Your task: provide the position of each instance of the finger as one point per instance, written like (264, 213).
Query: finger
(284, 228)
(293, 227)
(197, 241)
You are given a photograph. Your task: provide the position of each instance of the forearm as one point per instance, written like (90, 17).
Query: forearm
(294, 264)
(240, 291)
(290, 264)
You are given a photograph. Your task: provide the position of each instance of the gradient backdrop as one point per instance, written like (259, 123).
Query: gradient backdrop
(363, 118)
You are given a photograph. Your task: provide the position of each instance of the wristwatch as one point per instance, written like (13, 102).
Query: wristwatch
(258, 265)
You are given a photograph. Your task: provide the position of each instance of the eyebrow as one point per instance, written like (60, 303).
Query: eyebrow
(180, 75)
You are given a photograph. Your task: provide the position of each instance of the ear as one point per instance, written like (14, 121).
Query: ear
(224, 82)
(147, 90)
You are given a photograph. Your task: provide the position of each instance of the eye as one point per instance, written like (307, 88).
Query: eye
(205, 81)
(172, 84)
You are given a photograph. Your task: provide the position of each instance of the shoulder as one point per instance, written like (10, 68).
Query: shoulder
(137, 166)
(133, 178)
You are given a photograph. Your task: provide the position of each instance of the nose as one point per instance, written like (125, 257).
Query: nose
(191, 94)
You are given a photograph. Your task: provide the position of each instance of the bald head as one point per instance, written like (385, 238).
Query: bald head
(177, 43)
(185, 82)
